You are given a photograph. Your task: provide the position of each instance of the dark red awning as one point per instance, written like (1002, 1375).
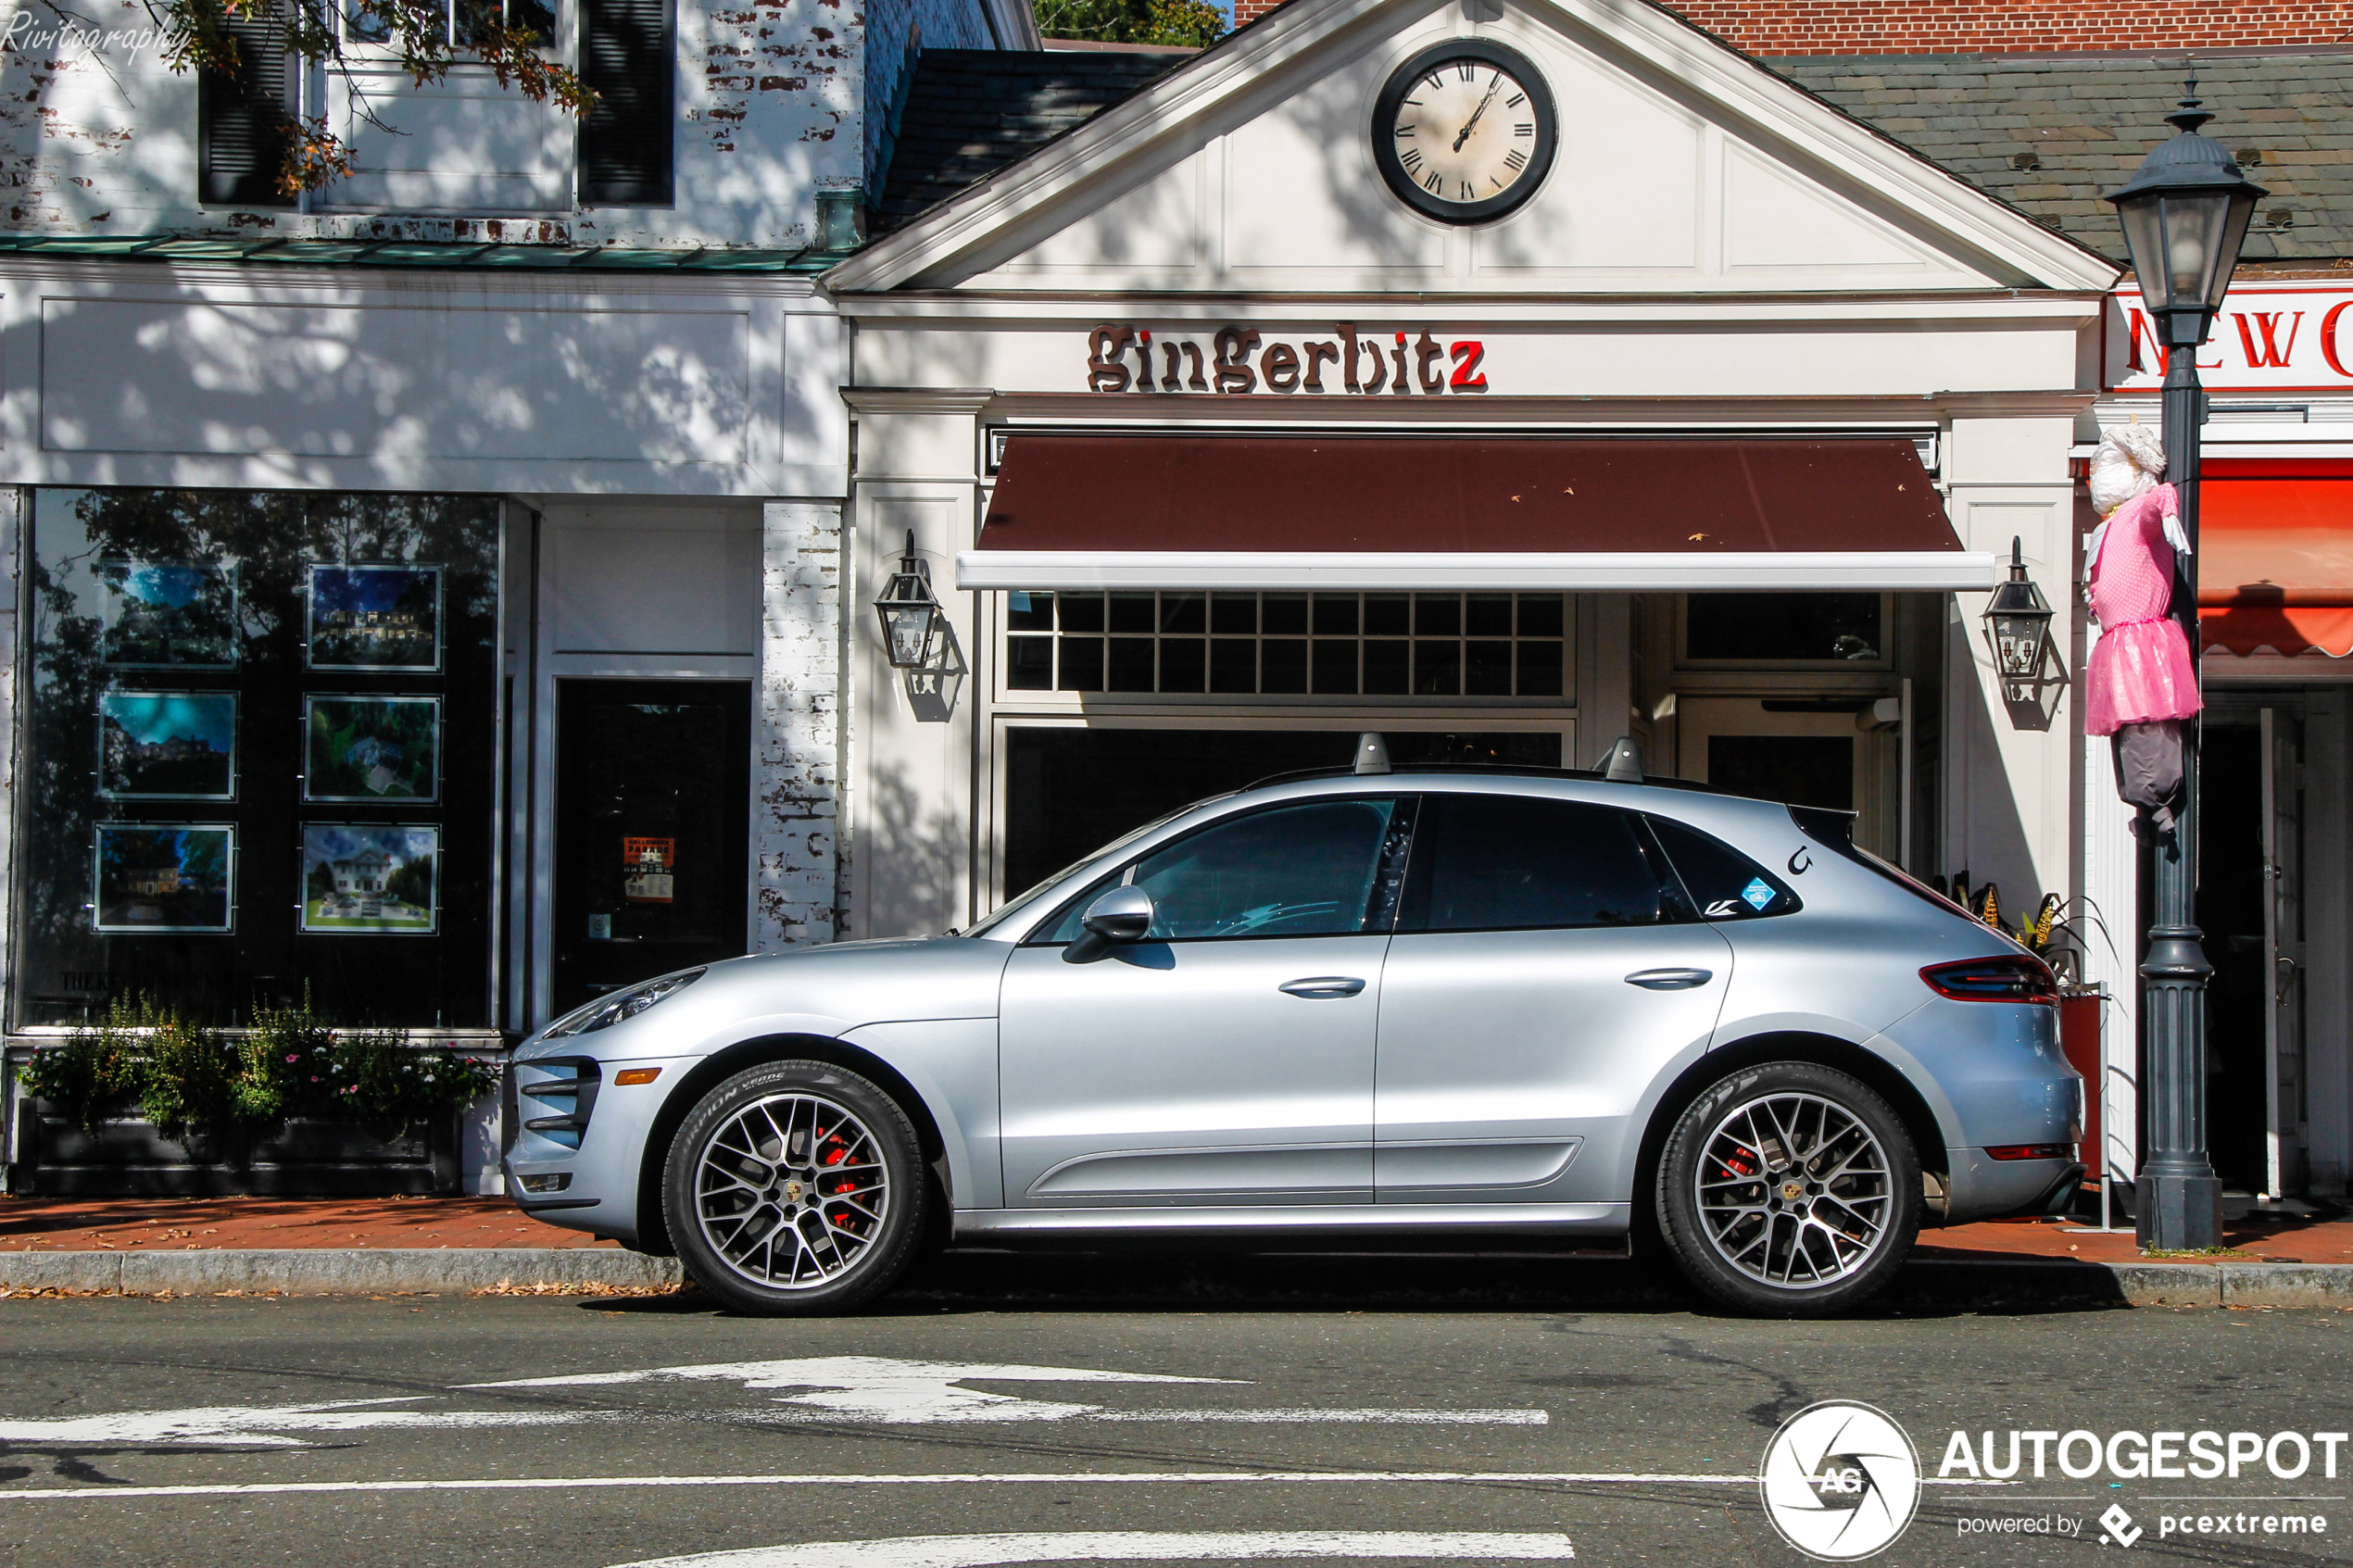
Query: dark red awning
(1626, 513)
(2277, 543)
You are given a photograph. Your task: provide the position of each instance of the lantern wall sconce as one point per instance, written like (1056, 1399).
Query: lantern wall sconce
(913, 621)
(2018, 627)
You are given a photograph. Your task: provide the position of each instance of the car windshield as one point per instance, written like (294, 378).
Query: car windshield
(1029, 895)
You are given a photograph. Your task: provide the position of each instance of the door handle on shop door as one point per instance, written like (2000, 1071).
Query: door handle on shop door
(1322, 985)
(1671, 979)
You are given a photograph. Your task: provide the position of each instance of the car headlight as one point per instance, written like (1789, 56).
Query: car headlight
(606, 1012)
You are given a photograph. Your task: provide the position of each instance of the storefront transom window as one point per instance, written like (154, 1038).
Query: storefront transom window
(1278, 643)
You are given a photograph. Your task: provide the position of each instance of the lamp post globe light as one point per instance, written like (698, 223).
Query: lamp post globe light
(2185, 214)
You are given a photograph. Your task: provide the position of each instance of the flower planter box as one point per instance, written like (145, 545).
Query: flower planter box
(305, 1157)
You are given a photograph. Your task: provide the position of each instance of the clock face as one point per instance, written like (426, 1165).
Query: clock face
(1465, 130)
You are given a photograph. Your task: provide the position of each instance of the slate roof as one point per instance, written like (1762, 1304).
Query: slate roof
(2046, 133)
(2049, 133)
(970, 112)
(407, 253)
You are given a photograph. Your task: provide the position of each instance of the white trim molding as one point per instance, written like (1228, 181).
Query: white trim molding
(1594, 572)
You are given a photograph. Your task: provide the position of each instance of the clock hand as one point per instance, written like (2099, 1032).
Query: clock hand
(1494, 88)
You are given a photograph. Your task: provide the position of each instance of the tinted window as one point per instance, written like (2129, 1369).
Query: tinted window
(1489, 862)
(1296, 870)
(1726, 883)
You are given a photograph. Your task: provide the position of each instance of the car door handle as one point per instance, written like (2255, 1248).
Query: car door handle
(1322, 985)
(1671, 979)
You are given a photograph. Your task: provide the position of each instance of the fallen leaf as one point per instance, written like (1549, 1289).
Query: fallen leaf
(1697, 537)
(1514, 497)
(1568, 490)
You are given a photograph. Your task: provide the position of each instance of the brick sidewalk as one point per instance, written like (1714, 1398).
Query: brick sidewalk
(56, 1224)
(127, 1225)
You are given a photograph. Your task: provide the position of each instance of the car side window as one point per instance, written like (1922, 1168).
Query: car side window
(1512, 862)
(1725, 883)
(1310, 870)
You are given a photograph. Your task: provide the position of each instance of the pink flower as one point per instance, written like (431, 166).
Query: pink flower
(291, 1059)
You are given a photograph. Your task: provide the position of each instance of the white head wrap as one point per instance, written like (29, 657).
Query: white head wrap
(2129, 464)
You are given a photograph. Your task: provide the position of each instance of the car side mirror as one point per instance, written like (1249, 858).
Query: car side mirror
(1123, 914)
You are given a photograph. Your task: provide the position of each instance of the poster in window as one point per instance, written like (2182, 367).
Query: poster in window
(174, 745)
(165, 877)
(648, 868)
(372, 748)
(368, 880)
(157, 615)
(379, 618)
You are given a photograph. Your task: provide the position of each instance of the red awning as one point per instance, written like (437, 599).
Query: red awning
(2277, 542)
(1341, 512)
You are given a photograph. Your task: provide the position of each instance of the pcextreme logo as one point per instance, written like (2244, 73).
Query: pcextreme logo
(1840, 1481)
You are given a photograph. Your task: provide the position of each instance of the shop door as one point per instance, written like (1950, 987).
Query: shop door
(653, 785)
(1798, 751)
(2283, 952)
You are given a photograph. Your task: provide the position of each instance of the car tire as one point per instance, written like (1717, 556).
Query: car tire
(1789, 1189)
(796, 1189)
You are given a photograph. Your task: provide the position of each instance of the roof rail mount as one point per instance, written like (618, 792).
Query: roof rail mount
(1624, 764)
(1372, 753)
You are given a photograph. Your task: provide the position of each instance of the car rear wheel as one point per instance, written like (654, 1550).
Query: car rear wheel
(794, 1189)
(1789, 1189)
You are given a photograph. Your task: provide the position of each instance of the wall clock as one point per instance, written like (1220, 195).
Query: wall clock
(1465, 130)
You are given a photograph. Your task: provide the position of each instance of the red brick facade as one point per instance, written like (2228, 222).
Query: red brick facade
(1918, 27)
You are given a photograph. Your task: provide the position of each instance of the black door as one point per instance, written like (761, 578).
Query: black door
(653, 794)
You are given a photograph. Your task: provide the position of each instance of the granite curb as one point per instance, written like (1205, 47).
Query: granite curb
(2018, 1283)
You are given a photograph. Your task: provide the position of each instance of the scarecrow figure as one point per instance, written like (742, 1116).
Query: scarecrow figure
(2142, 684)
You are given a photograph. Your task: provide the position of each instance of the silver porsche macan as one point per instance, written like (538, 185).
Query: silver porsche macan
(1362, 1005)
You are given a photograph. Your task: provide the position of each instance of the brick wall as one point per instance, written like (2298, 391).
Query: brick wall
(795, 734)
(1877, 27)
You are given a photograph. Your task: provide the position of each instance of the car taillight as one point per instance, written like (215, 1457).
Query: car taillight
(2019, 979)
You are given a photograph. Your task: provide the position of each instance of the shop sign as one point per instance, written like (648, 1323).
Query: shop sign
(2266, 339)
(1240, 360)
(650, 863)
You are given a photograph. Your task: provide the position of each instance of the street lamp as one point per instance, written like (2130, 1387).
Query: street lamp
(913, 618)
(2018, 618)
(2185, 214)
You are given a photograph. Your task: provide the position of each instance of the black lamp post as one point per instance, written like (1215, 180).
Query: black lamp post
(2185, 214)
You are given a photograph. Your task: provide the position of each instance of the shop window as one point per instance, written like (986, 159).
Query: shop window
(1785, 628)
(1288, 644)
(257, 756)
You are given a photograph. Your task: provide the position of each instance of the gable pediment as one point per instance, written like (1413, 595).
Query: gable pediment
(1682, 166)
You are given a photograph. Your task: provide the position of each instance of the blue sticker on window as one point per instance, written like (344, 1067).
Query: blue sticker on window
(1758, 893)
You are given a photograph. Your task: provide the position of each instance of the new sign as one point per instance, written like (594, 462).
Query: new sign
(2280, 338)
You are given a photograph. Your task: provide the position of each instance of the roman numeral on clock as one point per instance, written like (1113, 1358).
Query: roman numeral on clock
(1515, 100)
(1470, 71)
(1411, 157)
(1515, 160)
(1404, 131)
(1431, 182)
(1464, 192)
(1524, 128)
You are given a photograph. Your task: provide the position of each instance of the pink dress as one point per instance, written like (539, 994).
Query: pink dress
(2141, 670)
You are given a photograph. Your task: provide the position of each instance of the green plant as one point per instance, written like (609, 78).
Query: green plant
(98, 1070)
(1189, 24)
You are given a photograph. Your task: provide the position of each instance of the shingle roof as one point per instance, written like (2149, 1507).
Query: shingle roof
(405, 253)
(2048, 135)
(970, 112)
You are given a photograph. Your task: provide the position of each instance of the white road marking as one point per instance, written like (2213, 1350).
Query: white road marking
(880, 1388)
(1127, 1545)
(251, 1426)
(1044, 1479)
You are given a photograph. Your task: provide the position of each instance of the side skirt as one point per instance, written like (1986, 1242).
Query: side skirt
(1322, 1218)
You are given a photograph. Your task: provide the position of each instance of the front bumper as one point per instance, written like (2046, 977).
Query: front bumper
(564, 1119)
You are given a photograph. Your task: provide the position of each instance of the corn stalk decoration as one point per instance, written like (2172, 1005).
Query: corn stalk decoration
(414, 35)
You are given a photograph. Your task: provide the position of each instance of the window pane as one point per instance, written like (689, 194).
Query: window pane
(1082, 663)
(1029, 612)
(1132, 612)
(1029, 664)
(1233, 612)
(1082, 613)
(1438, 615)
(535, 20)
(1283, 665)
(1539, 615)
(1336, 668)
(1725, 883)
(1489, 615)
(1386, 672)
(1487, 670)
(1540, 668)
(1182, 663)
(1335, 615)
(1233, 666)
(1132, 664)
(1493, 862)
(1184, 613)
(1782, 626)
(1283, 613)
(1387, 615)
(1301, 870)
(1438, 669)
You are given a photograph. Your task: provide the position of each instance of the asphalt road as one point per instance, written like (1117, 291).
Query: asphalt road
(1440, 1409)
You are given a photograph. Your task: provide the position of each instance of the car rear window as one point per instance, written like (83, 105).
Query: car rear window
(1512, 862)
(1725, 883)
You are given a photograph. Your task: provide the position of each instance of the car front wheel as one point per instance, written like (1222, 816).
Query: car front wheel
(1789, 1189)
(795, 1188)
